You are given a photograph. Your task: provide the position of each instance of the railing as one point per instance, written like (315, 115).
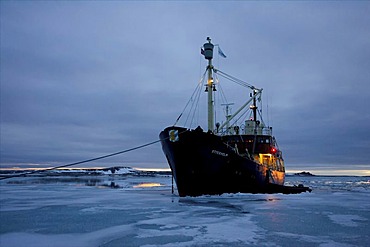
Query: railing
(243, 130)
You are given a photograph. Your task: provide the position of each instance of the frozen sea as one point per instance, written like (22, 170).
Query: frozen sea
(132, 208)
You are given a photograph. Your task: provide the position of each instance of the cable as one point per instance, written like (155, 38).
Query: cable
(89, 160)
(84, 161)
(191, 98)
(234, 79)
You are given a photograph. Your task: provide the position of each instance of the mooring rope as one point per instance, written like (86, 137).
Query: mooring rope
(81, 162)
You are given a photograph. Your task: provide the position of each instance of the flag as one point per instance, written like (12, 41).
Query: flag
(221, 53)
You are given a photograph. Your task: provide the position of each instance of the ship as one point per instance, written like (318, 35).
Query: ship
(234, 156)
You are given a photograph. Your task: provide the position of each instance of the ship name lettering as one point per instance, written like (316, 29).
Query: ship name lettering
(219, 153)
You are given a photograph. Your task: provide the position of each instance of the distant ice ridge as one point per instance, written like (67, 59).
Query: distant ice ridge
(117, 170)
(110, 171)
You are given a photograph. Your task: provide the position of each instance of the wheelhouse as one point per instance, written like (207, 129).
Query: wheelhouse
(261, 148)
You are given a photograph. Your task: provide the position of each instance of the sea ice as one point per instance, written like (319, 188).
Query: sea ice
(112, 210)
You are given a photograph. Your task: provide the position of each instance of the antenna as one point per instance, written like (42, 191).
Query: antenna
(228, 116)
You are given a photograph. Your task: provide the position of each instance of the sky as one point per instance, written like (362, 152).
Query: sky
(81, 79)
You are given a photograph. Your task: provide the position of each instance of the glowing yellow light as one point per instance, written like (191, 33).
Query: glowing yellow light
(210, 81)
(147, 185)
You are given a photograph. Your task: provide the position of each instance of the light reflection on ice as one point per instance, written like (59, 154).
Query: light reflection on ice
(147, 185)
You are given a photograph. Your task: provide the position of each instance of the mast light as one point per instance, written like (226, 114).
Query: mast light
(210, 81)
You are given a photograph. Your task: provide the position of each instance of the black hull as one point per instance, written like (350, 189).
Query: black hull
(202, 164)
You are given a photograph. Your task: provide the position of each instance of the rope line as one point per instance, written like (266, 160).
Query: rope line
(84, 161)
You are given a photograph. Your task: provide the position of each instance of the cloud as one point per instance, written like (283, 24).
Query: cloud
(83, 79)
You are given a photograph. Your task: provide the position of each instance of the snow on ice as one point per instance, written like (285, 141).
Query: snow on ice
(131, 208)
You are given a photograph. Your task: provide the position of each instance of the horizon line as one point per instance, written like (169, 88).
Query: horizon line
(315, 171)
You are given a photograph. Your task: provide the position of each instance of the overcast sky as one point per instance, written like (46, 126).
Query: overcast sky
(81, 79)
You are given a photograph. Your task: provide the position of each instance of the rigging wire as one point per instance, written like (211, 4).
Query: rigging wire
(196, 108)
(195, 98)
(234, 79)
(240, 82)
(222, 94)
(191, 98)
(194, 105)
(260, 114)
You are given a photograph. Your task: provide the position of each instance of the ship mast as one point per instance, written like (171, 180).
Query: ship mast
(254, 106)
(210, 87)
